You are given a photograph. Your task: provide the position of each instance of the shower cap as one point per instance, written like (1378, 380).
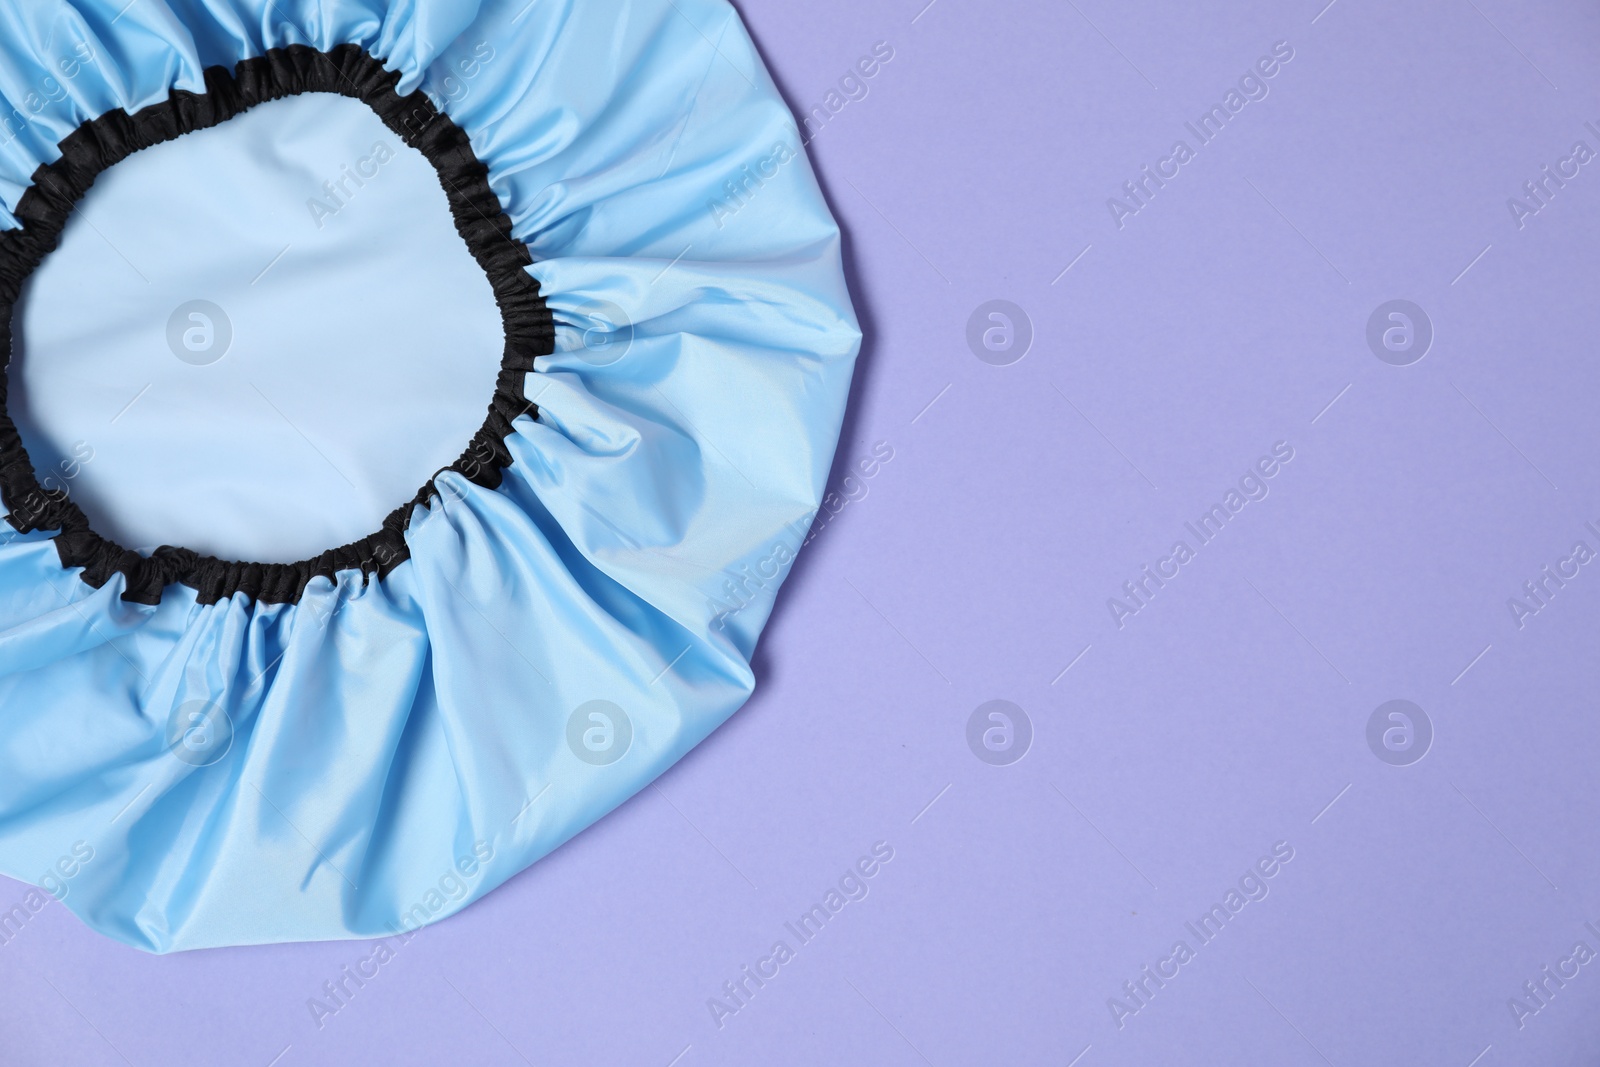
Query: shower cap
(200, 752)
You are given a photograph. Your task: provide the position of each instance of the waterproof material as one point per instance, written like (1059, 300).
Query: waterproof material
(196, 751)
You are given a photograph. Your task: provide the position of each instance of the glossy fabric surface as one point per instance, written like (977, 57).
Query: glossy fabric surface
(314, 314)
(396, 748)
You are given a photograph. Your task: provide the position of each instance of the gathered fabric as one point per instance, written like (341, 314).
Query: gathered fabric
(370, 739)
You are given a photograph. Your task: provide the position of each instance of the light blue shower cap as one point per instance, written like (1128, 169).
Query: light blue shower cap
(198, 752)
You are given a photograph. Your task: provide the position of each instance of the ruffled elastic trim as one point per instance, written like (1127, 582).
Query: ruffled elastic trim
(102, 143)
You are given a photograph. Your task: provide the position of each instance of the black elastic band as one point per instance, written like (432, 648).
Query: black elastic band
(479, 217)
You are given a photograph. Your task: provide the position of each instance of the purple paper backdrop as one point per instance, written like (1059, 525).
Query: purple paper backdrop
(1172, 743)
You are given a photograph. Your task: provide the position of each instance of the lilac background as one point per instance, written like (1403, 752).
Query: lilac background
(1227, 715)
